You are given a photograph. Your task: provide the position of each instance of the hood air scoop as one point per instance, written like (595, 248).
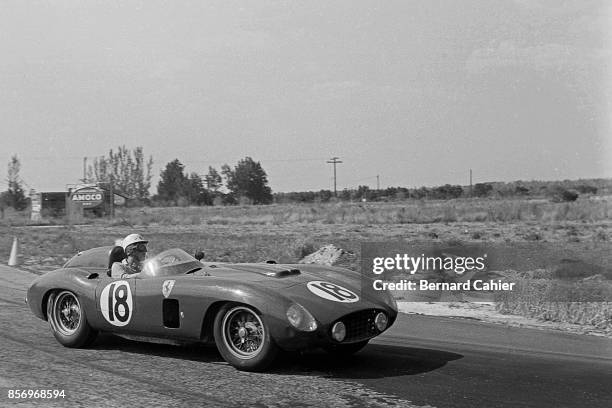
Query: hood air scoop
(283, 273)
(271, 270)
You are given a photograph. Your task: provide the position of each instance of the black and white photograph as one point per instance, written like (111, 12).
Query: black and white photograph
(343, 204)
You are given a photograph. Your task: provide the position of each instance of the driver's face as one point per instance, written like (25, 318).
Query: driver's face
(140, 252)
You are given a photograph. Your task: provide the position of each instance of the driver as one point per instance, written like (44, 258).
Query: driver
(135, 248)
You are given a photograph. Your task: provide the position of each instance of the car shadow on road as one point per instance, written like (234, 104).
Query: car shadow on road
(194, 352)
(374, 361)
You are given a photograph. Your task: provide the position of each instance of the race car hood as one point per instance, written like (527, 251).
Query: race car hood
(280, 275)
(324, 290)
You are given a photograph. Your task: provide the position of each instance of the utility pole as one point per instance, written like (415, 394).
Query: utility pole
(112, 198)
(334, 161)
(470, 182)
(377, 182)
(84, 170)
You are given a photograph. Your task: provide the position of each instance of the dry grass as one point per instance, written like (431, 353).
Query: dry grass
(578, 302)
(408, 212)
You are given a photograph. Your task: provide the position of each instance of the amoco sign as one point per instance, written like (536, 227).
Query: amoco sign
(88, 196)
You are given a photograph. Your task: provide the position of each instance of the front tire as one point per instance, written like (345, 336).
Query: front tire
(243, 338)
(68, 321)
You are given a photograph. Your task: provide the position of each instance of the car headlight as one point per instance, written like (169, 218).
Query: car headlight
(381, 321)
(300, 318)
(339, 331)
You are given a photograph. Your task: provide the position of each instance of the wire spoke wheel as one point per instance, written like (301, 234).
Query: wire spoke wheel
(243, 332)
(243, 338)
(68, 319)
(67, 313)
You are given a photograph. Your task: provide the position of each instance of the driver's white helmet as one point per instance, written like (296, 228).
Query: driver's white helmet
(132, 239)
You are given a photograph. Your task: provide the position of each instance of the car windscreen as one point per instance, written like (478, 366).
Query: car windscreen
(171, 262)
(91, 258)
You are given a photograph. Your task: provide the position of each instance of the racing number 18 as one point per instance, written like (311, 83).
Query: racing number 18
(334, 290)
(118, 294)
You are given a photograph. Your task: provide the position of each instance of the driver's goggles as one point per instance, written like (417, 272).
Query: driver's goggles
(139, 247)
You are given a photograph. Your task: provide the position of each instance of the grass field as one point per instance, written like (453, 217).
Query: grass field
(546, 232)
(584, 302)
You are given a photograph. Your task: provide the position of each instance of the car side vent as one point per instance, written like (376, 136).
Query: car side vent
(171, 313)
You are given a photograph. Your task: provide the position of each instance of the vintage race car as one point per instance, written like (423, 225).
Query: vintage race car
(249, 310)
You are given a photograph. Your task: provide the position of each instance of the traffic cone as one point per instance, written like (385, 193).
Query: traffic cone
(14, 253)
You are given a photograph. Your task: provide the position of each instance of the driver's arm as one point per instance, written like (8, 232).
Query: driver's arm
(119, 270)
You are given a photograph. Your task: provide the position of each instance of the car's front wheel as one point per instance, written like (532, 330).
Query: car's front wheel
(68, 321)
(243, 339)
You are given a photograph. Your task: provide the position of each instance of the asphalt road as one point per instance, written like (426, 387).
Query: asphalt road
(420, 361)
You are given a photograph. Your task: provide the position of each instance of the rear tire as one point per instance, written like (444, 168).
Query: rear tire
(68, 321)
(243, 338)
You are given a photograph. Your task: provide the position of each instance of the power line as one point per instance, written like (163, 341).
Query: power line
(259, 160)
(56, 157)
(360, 179)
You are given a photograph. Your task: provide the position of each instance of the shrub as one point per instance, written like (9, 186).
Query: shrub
(482, 189)
(533, 236)
(302, 247)
(559, 194)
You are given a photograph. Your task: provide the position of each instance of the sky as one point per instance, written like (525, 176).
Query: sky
(416, 92)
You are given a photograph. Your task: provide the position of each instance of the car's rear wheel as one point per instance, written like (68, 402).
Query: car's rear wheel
(346, 349)
(243, 339)
(68, 321)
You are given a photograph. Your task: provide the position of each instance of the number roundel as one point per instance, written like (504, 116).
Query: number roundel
(116, 303)
(331, 291)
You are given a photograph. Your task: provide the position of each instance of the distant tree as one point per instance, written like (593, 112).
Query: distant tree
(213, 179)
(228, 176)
(325, 195)
(295, 197)
(195, 191)
(14, 196)
(344, 195)
(363, 192)
(228, 199)
(127, 169)
(482, 189)
(173, 183)
(420, 193)
(248, 180)
(586, 189)
(521, 191)
(559, 194)
(447, 192)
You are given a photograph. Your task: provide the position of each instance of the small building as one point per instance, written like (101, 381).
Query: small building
(91, 199)
(53, 203)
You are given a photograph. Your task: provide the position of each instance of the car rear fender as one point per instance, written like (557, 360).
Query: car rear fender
(79, 281)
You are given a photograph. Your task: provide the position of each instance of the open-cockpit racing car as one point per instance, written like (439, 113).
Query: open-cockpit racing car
(249, 310)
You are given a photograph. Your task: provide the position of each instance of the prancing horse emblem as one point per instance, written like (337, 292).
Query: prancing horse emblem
(167, 288)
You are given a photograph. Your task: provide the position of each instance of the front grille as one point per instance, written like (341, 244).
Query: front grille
(360, 325)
